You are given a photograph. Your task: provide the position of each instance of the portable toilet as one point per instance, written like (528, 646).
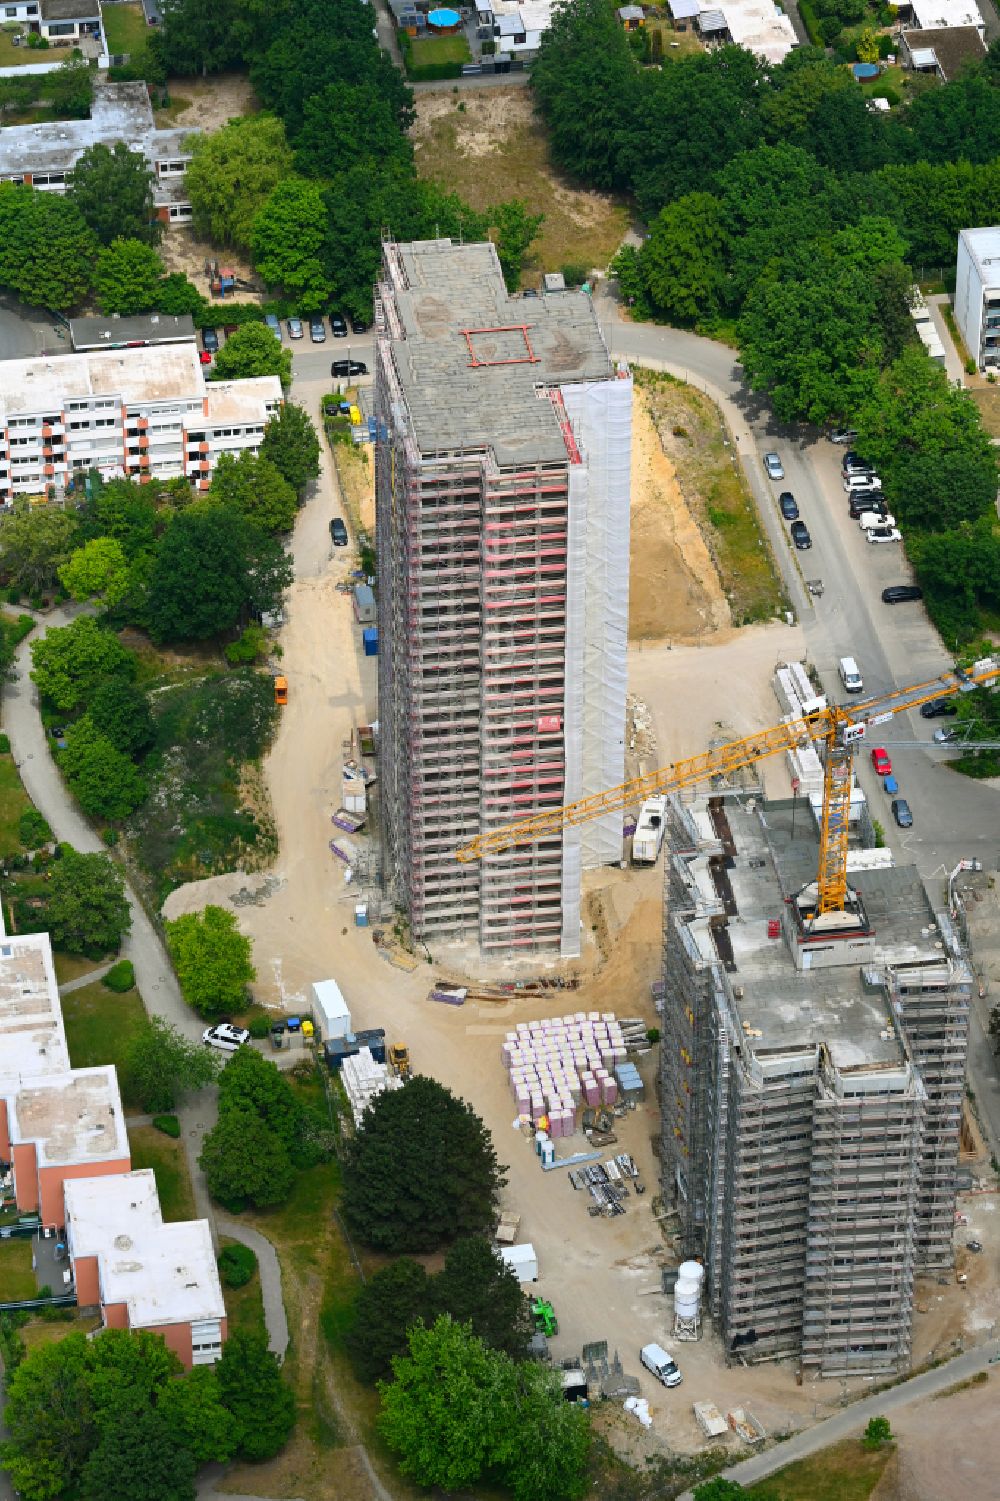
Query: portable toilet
(369, 637)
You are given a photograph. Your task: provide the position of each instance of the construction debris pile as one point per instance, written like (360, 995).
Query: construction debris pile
(562, 1063)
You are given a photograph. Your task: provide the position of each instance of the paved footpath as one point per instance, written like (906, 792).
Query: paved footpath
(852, 1421)
(270, 1281)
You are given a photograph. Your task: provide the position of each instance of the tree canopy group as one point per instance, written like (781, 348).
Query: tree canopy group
(778, 202)
(114, 1417)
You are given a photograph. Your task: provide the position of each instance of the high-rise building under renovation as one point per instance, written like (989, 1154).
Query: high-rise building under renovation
(812, 1086)
(502, 519)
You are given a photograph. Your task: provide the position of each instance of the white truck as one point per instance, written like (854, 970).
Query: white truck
(649, 831)
(661, 1364)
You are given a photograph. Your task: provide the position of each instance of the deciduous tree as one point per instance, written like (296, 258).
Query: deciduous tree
(113, 189)
(256, 488)
(683, 261)
(253, 350)
(421, 1170)
(47, 250)
(99, 567)
(386, 1306)
(231, 175)
(121, 712)
(86, 907)
(478, 1288)
(287, 240)
(253, 1390)
(72, 661)
(292, 446)
(139, 1459)
(127, 277)
(245, 1162)
(160, 1064)
(252, 1082)
(35, 543)
(197, 1420)
(515, 228)
(105, 782)
(212, 960)
(211, 568)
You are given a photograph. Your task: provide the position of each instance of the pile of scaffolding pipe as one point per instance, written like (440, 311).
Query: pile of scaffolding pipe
(562, 1063)
(364, 1079)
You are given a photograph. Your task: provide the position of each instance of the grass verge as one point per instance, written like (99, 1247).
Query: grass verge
(697, 443)
(13, 802)
(244, 1305)
(150, 1148)
(48, 1331)
(844, 1472)
(72, 966)
(100, 1027)
(987, 399)
(17, 1275)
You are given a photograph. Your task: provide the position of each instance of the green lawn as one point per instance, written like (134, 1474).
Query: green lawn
(124, 28)
(20, 57)
(844, 1472)
(440, 49)
(13, 802)
(100, 1025)
(150, 1148)
(244, 1305)
(17, 1277)
(72, 966)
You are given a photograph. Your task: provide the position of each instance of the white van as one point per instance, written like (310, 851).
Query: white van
(861, 482)
(656, 1360)
(850, 676)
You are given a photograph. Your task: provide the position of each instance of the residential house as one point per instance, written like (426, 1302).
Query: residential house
(65, 22)
(943, 51)
(939, 15)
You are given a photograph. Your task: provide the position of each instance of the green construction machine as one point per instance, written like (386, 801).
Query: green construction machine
(544, 1318)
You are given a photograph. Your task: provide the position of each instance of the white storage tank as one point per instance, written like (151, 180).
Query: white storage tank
(687, 1297)
(691, 1271)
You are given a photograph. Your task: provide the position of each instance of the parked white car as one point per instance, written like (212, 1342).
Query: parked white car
(868, 519)
(883, 534)
(225, 1037)
(774, 466)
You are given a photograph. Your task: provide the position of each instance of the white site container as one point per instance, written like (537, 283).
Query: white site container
(330, 1010)
(522, 1261)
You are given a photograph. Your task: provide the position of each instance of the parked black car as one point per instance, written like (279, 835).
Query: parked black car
(901, 812)
(901, 594)
(210, 340)
(789, 506)
(938, 708)
(338, 532)
(339, 325)
(341, 369)
(800, 535)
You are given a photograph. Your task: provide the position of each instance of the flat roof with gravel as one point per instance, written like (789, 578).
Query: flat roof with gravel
(71, 1117)
(31, 1024)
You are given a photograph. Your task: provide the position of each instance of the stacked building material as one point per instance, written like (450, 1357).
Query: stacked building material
(562, 1063)
(629, 1081)
(364, 1079)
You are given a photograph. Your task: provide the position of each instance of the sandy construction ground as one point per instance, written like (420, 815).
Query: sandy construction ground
(602, 1275)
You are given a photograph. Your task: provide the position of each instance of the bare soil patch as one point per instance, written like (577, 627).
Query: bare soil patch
(674, 588)
(488, 145)
(207, 103)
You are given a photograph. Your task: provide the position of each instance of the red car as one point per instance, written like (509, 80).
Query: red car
(881, 762)
(206, 357)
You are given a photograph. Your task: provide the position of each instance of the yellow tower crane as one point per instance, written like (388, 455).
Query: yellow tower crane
(838, 727)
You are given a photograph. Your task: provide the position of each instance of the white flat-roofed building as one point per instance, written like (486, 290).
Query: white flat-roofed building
(937, 15)
(977, 294)
(757, 25)
(140, 412)
(32, 1037)
(43, 156)
(61, 1126)
(145, 1274)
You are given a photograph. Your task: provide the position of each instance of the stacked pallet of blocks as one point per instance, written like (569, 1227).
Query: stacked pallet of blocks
(558, 1065)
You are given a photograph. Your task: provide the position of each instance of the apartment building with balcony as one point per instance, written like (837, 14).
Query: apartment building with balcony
(43, 156)
(977, 294)
(65, 1157)
(141, 413)
(502, 517)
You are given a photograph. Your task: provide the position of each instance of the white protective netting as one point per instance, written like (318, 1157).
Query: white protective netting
(601, 413)
(573, 712)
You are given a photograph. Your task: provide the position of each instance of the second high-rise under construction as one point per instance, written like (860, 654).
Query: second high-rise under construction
(502, 524)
